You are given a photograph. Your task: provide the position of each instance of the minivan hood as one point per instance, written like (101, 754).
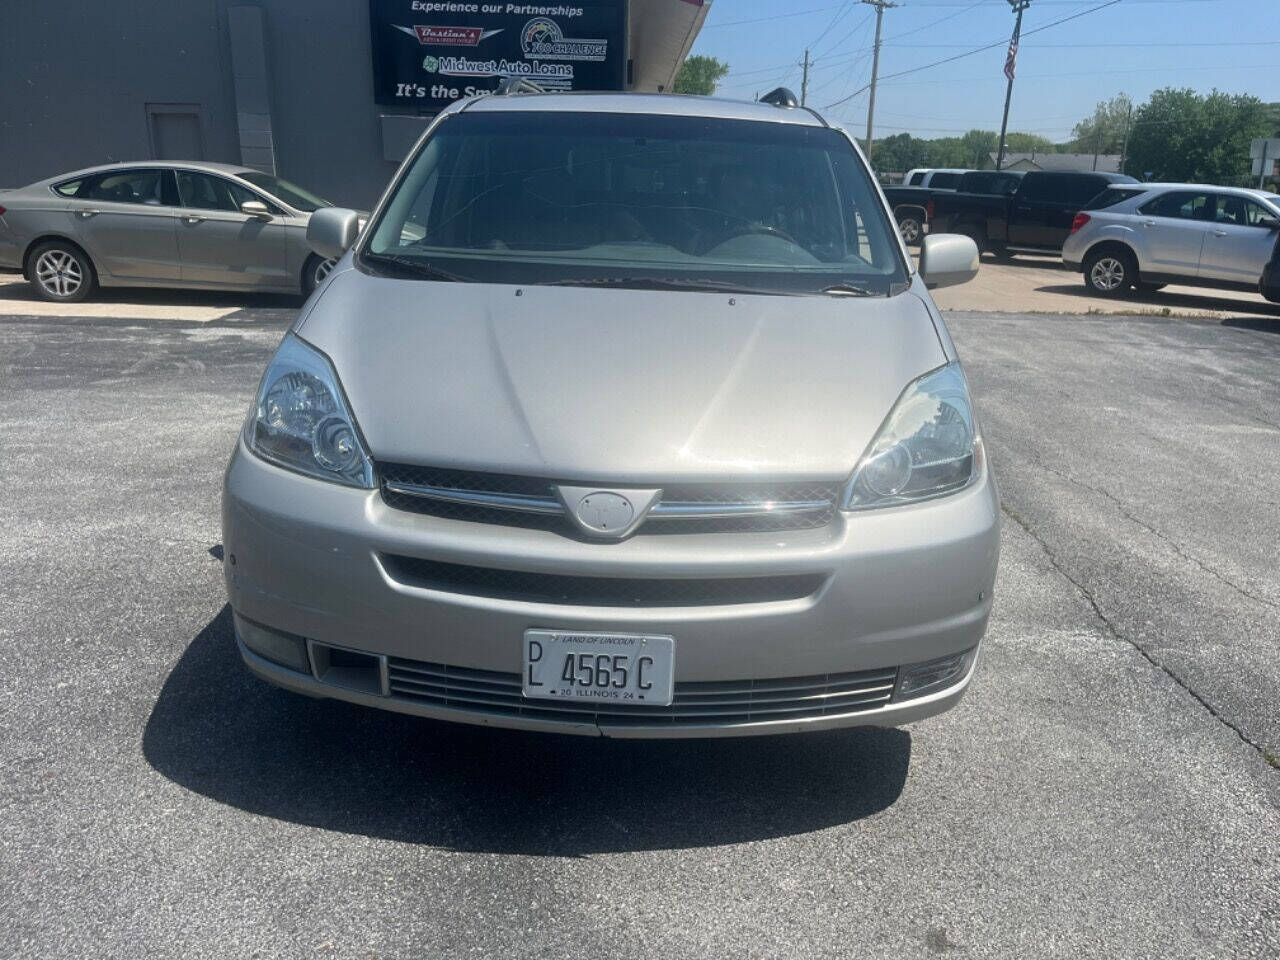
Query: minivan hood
(615, 385)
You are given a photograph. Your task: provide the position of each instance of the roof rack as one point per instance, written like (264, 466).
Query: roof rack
(512, 85)
(780, 97)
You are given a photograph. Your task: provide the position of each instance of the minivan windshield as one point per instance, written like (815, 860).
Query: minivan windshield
(638, 201)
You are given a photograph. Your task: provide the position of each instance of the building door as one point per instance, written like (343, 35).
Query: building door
(175, 131)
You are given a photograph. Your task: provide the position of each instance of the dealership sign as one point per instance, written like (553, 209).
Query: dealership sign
(429, 53)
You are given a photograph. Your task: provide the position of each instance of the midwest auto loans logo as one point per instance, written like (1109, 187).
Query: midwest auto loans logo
(447, 36)
(552, 75)
(542, 39)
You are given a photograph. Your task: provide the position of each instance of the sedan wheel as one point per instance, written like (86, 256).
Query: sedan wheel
(314, 272)
(61, 273)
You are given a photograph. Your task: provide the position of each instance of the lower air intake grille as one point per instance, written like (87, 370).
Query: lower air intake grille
(734, 701)
(596, 591)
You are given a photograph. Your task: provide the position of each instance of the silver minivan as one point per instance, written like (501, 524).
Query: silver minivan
(625, 415)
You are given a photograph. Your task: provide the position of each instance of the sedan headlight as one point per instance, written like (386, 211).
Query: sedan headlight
(301, 420)
(926, 448)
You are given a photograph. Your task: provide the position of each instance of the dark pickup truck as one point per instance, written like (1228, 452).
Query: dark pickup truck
(1035, 218)
(913, 206)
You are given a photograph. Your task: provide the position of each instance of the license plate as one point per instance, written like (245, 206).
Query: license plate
(604, 668)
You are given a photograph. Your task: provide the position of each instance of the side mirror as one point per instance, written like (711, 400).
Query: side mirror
(1271, 223)
(947, 259)
(255, 208)
(332, 230)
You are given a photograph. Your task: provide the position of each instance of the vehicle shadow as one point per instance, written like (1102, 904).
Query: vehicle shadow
(1158, 299)
(218, 730)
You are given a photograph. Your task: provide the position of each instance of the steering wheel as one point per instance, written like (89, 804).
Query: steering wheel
(735, 230)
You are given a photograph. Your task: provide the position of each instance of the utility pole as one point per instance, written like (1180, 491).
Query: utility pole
(1018, 6)
(804, 81)
(1124, 144)
(881, 6)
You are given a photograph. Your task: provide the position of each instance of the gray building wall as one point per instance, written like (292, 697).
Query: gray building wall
(80, 79)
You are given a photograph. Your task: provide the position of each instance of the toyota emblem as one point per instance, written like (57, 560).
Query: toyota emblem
(605, 512)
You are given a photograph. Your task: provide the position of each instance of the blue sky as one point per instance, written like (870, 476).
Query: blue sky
(1134, 46)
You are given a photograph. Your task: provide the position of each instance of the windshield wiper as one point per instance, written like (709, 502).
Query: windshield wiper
(670, 283)
(419, 268)
(848, 290)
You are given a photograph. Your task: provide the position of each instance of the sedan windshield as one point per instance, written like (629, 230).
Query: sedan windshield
(639, 201)
(292, 194)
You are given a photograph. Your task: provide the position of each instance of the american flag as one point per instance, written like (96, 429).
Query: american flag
(1012, 59)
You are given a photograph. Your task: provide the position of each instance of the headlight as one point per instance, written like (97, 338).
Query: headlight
(926, 448)
(301, 420)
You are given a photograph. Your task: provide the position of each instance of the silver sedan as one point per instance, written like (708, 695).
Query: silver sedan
(206, 226)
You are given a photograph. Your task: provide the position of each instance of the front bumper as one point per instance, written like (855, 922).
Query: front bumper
(899, 586)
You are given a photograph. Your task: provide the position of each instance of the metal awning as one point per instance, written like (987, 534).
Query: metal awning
(661, 34)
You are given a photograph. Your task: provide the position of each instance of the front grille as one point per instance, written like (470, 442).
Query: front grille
(708, 495)
(716, 703)
(597, 591)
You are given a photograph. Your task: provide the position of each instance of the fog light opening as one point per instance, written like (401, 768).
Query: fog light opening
(351, 669)
(918, 679)
(286, 649)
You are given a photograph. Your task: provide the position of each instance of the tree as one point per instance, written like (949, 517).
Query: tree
(1179, 135)
(1104, 132)
(899, 153)
(1028, 143)
(978, 147)
(699, 75)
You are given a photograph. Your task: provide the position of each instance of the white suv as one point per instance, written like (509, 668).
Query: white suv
(1148, 235)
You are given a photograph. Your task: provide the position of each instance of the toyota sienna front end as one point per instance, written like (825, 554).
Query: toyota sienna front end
(624, 415)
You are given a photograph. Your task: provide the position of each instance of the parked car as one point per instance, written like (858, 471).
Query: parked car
(942, 178)
(208, 226)
(910, 206)
(1035, 218)
(1182, 233)
(1002, 182)
(1269, 285)
(626, 414)
(913, 207)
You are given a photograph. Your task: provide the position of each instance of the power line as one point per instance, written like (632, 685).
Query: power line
(934, 23)
(969, 53)
(776, 16)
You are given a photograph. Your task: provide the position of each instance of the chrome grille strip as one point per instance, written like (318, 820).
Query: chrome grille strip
(662, 511)
(477, 498)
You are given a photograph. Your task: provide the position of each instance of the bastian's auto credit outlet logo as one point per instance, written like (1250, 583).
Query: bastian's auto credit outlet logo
(429, 53)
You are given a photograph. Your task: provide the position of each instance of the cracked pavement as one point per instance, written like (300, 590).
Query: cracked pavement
(1104, 790)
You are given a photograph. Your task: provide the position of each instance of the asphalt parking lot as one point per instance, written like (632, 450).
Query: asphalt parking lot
(1109, 788)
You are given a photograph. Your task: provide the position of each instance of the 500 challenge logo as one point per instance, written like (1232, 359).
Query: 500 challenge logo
(542, 39)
